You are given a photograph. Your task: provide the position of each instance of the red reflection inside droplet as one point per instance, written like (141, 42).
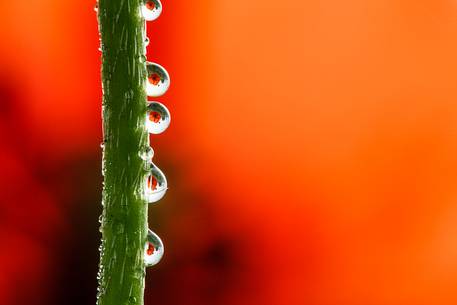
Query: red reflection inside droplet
(154, 116)
(150, 5)
(152, 183)
(150, 249)
(154, 79)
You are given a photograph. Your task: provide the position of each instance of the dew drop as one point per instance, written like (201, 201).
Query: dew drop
(157, 118)
(96, 7)
(153, 250)
(146, 43)
(151, 9)
(119, 229)
(156, 184)
(158, 80)
(147, 153)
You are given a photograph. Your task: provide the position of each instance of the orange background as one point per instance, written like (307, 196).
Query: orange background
(312, 156)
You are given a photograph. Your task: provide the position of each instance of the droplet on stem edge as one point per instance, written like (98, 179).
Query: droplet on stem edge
(151, 9)
(153, 250)
(156, 184)
(158, 80)
(157, 118)
(147, 154)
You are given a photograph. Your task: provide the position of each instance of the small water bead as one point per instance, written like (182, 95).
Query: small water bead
(151, 9)
(147, 153)
(146, 43)
(158, 80)
(119, 229)
(157, 118)
(156, 184)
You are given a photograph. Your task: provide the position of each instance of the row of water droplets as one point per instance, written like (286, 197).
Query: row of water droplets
(157, 121)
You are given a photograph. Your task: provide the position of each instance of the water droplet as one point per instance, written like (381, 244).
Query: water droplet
(103, 167)
(96, 7)
(132, 300)
(142, 58)
(153, 250)
(119, 229)
(146, 41)
(157, 118)
(151, 9)
(158, 80)
(156, 184)
(147, 153)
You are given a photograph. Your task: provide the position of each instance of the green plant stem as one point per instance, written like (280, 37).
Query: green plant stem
(124, 218)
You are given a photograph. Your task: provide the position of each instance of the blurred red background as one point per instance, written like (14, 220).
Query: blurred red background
(312, 156)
